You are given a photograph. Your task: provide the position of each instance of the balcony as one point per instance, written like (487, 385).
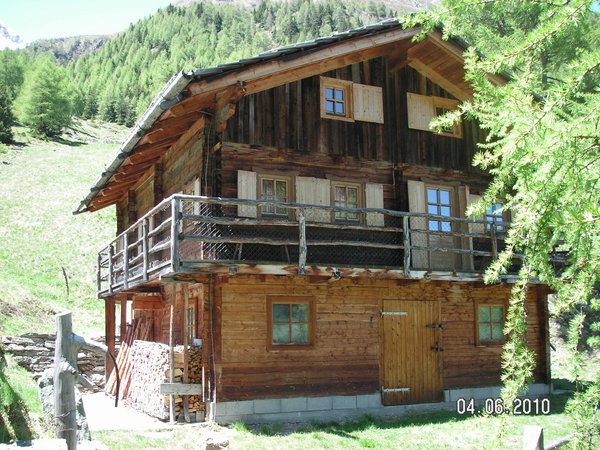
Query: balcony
(186, 234)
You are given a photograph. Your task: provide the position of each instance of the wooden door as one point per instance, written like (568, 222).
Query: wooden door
(411, 358)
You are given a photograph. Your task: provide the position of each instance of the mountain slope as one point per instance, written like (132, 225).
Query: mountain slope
(118, 82)
(70, 48)
(9, 40)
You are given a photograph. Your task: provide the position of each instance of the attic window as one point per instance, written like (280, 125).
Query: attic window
(336, 99)
(423, 108)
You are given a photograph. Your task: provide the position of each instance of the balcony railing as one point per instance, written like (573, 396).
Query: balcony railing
(189, 233)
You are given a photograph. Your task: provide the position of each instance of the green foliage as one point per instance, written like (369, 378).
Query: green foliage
(118, 82)
(45, 103)
(542, 149)
(7, 118)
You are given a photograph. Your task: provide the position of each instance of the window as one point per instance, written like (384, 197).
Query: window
(272, 188)
(493, 214)
(423, 108)
(291, 321)
(439, 203)
(490, 323)
(336, 99)
(346, 196)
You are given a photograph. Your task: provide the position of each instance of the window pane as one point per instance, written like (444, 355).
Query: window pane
(329, 106)
(432, 209)
(339, 94)
(484, 313)
(445, 211)
(446, 226)
(497, 314)
(351, 216)
(300, 312)
(281, 334)
(484, 332)
(497, 331)
(444, 197)
(281, 312)
(267, 189)
(434, 225)
(300, 333)
(329, 93)
(340, 196)
(352, 197)
(281, 193)
(339, 108)
(432, 195)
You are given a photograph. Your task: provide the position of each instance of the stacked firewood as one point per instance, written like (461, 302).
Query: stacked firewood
(139, 329)
(195, 403)
(150, 361)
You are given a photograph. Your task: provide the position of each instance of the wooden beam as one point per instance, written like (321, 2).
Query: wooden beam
(109, 333)
(180, 389)
(424, 69)
(123, 327)
(398, 58)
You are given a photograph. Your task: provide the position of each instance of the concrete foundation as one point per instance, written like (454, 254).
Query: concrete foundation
(343, 408)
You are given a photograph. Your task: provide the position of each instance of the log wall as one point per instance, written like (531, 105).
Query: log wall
(345, 357)
(289, 116)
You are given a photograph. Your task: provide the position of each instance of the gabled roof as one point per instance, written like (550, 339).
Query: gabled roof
(190, 100)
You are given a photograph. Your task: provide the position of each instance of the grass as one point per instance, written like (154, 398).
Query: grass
(41, 241)
(20, 407)
(439, 430)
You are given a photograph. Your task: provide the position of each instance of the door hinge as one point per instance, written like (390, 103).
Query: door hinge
(393, 313)
(394, 390)
(437, 347)
(435, 325)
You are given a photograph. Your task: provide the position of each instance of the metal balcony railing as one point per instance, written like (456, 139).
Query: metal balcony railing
(188, 233)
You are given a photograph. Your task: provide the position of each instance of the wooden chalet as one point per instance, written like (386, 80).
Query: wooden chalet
(293, 216)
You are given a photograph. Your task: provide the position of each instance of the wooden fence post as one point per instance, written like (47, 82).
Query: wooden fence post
(65, 375)
(533, 438)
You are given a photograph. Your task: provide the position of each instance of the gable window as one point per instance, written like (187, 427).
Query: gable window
(439, 203)
(336, 99)
(346, 196)
(493, 214)
(274, 188)
(423, 108)
(291, 321)
(490, 323)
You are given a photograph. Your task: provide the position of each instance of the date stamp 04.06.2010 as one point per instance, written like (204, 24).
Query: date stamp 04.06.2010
(521, 406)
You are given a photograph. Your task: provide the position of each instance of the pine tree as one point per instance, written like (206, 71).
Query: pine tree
(7, 118)
(45, 101)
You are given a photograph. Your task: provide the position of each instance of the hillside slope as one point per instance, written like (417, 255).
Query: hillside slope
(41, 240)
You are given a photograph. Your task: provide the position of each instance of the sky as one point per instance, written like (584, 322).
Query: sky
(38, 19)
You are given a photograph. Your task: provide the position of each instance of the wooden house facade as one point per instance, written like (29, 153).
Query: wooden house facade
(294, 215)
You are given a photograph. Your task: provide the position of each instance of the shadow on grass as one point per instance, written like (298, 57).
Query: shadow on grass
(351, 429)
(70, 143)
(14, 418)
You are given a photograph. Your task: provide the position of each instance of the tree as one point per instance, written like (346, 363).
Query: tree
(7, 119)
(45, 101)
(543, 150)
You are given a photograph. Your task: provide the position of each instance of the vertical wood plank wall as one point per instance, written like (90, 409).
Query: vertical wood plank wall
(346, 355)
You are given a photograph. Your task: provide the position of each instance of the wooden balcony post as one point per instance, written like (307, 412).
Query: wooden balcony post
(125, 261)
(406, 233)
(99, 274)
(175, 208)
(302, 236)
(494, 241)
(145, 261)
(111, 254)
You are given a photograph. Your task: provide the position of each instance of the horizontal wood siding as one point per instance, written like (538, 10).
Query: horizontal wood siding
(345, 357)
(289, 117)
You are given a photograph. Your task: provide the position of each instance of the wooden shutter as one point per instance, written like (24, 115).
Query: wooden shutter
(247, 182)
(314, 191)
(368, 103)
(466, 243)
(420, 111)
(417, 203)
(374, 199)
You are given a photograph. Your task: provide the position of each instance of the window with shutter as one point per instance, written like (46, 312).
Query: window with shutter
(345, 100)
(422, 109)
